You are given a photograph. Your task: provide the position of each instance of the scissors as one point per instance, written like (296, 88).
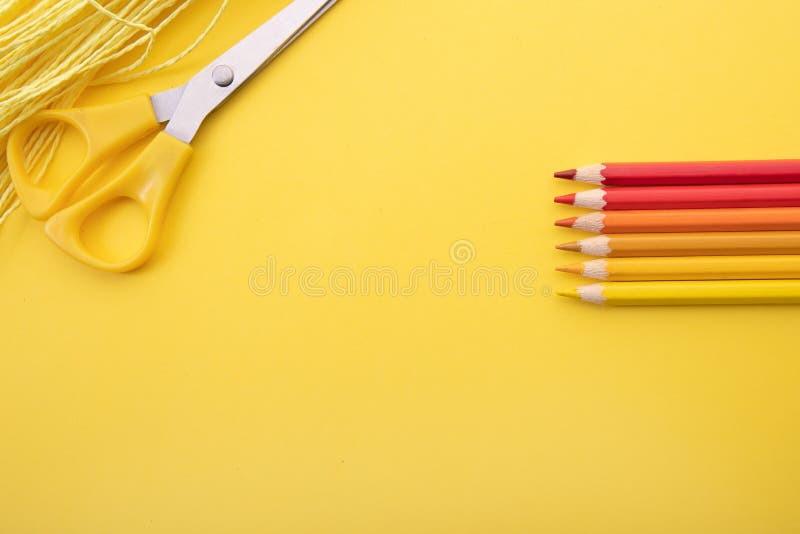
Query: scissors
(152, 176)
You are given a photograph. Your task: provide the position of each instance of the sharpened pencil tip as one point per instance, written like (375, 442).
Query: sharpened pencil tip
(568, 175)
(572, 293)
(565, 199)
(572, 247)
(575, 268)
(567, 223)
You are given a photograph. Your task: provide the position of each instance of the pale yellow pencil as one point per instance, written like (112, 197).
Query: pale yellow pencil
(689, 268)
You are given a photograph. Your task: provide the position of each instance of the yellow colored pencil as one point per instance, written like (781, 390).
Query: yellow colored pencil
(689, 293)
(688, 268)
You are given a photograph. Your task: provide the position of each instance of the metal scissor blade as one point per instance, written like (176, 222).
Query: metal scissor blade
(165, 103)
(202, 95)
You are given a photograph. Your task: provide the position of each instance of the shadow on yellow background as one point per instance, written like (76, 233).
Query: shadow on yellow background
(202, 394)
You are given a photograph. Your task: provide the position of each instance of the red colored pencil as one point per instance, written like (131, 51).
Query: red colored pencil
(686, 197)
(690, 173)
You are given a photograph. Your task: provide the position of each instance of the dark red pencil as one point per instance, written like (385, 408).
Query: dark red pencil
(689, 173)
(686, 197)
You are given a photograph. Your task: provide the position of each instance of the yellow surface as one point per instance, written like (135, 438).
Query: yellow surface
(175, 399)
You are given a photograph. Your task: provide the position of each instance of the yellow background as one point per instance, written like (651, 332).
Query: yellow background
(173, 399)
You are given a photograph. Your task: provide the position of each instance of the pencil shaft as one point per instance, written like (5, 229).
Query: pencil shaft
(691, 173)
(687, 197)
(693, 268)
(692, 293)
(699, 220)
(688, 244)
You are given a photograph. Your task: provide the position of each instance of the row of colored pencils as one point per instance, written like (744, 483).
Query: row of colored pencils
(688, 233)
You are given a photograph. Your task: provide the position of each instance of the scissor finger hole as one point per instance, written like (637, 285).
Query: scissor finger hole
(116, 231)
(52, 152)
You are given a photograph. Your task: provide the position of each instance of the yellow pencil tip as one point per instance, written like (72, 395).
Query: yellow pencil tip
(572, 247)
(575, 268)
(572, 293)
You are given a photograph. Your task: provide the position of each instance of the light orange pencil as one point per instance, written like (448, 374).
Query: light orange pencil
(689, 268)
(691, 244)
(701, 220)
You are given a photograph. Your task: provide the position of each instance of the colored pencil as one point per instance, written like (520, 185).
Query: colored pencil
(700, 220)
(695, 244)
(686, 197)
(687, 173)
(688, 268)
(689, 293)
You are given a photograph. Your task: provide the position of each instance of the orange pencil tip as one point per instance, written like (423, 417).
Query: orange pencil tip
(565, 199)
(567, 223)
(575, 268)
(569, 175)
(572, 247)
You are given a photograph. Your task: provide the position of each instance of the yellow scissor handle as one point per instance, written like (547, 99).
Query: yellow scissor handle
(106, 130)
(149, 180)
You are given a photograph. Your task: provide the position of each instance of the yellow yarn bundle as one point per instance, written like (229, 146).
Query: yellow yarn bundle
(51, 50)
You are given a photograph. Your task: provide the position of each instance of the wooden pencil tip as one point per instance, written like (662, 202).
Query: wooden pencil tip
(568, 175)
(565, 199)
(567, 223)
(572, 293)
(572, 247)
(575, 268)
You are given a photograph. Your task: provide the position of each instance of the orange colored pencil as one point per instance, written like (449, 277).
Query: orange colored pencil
(692, 244)
(701, 220)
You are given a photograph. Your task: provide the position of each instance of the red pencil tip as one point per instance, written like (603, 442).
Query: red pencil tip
(566, 199)
(567, 223)
(569, 175)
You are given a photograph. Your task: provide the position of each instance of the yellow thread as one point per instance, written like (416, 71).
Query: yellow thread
(117, 78)
(50, 50)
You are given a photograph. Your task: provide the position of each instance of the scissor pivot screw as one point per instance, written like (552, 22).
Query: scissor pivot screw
(222, 75)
